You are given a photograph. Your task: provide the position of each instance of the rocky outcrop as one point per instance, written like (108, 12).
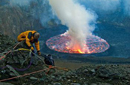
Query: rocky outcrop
(6, 42)
(87, 75)
(91, 74)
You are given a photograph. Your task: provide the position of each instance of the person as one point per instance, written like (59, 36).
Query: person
(29, 38)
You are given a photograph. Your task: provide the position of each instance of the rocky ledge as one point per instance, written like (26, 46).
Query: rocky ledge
(90, 74)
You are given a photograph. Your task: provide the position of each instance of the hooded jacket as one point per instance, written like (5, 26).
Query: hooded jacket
(28, 37)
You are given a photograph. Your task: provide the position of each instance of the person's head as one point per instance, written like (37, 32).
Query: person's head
(36, 35)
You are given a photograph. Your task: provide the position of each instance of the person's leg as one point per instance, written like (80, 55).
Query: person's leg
(34, 57)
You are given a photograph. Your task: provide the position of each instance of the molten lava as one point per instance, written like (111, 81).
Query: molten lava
(77, 50)
(61, 43)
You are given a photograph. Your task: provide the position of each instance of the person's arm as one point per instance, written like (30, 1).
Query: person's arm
(28, 37)
(37, 45)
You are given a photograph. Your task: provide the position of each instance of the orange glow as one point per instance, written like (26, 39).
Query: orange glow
(63, 44)
(80, 51)
(77, 50)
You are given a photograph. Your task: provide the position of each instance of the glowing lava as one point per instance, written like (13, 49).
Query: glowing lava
(61, 43)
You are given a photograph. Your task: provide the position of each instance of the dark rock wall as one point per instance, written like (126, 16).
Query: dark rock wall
(16, 19)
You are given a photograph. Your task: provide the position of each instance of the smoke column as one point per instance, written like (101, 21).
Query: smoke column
(77, 19)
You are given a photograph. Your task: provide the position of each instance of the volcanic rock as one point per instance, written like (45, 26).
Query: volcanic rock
(1, 83)
(91, 74)
(75, 84)
(57, 84)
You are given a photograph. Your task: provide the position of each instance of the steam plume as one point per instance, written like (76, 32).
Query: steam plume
(77, 18)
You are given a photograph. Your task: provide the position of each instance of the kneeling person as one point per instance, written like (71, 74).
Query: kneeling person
(30, 37)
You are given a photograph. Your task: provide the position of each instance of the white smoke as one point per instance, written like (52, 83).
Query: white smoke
(76, 18)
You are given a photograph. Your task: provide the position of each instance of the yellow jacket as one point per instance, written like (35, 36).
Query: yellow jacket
(28, 36)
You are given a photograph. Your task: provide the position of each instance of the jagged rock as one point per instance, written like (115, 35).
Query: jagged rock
(85, 84)
(93, 71)
(94, 84)
(2, 83)
(33, 78)
(24, 84)
(17, 57)
(104, 84)
(6, 43)
(75, 84)
(57, 84)
(90, 74)
(12, 71)
(86, 71)
(112, 72)
(103, 72)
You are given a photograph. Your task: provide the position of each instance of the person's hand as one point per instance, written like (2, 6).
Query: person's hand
(32, 48)
(33, 53)
(38, 52)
